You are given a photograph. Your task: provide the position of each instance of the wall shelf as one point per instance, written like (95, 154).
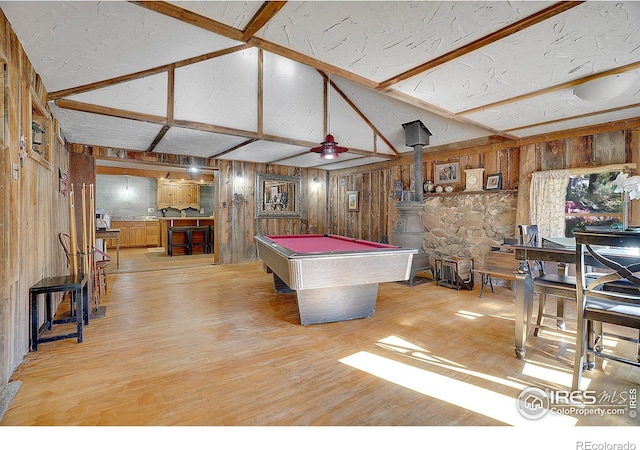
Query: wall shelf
(485, 192)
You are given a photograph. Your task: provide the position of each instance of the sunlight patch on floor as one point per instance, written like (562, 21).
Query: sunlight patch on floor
(465, 395)
(399, 345)
(548, 374)
(469, 314)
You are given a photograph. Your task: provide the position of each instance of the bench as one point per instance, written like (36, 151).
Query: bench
(499, 262)
(76, 284)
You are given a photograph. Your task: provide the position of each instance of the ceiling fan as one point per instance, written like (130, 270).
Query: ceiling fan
(329, 149)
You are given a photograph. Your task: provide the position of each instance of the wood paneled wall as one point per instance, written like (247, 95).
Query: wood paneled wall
(33, 210)
(236, 221)
(377, 215)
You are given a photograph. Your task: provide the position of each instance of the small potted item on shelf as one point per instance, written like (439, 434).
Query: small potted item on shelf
(428, 187)
(448, 188)
(439, 189)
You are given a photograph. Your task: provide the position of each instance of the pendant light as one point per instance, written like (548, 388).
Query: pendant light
(329, 149)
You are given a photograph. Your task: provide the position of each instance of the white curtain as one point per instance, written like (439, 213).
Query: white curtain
(547, 201)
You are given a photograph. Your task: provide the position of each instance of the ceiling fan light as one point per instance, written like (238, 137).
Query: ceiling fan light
(605, 88)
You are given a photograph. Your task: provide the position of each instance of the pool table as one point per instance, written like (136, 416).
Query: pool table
(335, 278)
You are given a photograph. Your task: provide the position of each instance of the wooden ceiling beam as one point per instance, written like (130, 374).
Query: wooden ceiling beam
(311, 62)
(520, 25)
(191, 18)
(158, 138)
(111, 112)
(359, 113)
(148, 173)
(581, 116)
(55, 95)
(235, 147)
(557, 87)
(267, 11)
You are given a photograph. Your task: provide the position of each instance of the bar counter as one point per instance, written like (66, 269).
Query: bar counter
(166, 222)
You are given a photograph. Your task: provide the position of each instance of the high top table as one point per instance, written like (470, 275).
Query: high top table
(111, 233)
(524, 283)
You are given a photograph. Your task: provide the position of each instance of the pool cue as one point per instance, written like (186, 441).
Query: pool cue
(73, 240)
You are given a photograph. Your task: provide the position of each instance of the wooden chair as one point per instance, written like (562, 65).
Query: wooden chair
(498, 263)
(64, 240)
(561, 286)
(99, 266)
(65, 243)
(610, 299)
(101, 261)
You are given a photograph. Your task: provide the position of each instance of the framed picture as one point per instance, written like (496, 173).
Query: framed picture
(494, 181)
(447, 173)
(352, 200)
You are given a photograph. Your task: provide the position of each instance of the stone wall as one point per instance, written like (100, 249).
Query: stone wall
(466, 225)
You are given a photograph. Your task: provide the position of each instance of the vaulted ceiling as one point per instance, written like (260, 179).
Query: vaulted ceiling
(265, 81)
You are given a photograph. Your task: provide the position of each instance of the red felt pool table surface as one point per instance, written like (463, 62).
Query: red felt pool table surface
(314, 243)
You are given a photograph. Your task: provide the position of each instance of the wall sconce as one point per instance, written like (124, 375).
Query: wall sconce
(239, 198)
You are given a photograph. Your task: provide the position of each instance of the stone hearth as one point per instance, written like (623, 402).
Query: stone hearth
(466, 224)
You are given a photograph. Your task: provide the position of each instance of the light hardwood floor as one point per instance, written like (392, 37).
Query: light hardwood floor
(186, 342)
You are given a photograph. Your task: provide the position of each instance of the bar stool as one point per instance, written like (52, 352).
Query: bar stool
(196, 233)
(211, 238)
(186, 244)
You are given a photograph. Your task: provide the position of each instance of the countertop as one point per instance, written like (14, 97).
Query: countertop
(134, 218)
(187, 218)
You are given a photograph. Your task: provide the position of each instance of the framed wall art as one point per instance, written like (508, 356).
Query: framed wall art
(447, 172)
(352, 200)
(494, 182)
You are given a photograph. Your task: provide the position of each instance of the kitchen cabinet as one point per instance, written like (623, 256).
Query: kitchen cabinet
(178, 195)
(136, 233)
(153, 233)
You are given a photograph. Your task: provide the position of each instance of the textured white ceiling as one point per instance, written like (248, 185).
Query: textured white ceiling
(474, 73)
(378, 40)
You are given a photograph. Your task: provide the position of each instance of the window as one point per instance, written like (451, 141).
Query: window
(591, 202)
